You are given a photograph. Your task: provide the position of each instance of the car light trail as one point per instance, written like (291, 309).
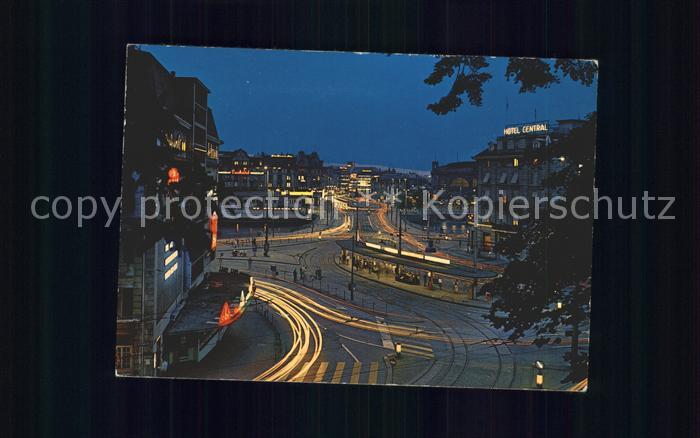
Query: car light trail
(302, 302)
(327, 313)
(306, 338)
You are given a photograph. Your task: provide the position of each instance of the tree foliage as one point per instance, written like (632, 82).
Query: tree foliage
(550, 261)
(470, 75)
(469, 78)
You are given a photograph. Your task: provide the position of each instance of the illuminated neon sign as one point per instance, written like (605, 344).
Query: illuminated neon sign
(526, 129)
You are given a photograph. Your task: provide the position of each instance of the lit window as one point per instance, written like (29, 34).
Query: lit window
(170, 258)
(515, 162)
(515, 222)
(170, 271)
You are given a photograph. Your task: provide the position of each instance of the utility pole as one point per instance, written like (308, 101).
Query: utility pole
(427, 227)
(265, 212)
(400, 234)
(266, 245)
(352, 257)
(405, 200)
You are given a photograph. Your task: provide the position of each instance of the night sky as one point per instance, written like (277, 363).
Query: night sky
(368, 108)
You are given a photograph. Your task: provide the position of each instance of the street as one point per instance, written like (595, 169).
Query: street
(325, 337)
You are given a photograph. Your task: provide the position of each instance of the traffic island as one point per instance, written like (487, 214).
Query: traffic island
(198, 344)
(450, 283)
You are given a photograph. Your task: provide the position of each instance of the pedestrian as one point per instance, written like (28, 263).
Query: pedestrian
(425, 279)
(295, 275)
(456, 286)
(440, 283)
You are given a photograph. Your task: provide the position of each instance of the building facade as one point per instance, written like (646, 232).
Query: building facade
(170, 150)
(240, 172)
(460, 178)
(513, 166)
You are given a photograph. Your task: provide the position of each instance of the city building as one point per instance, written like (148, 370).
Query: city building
(459, 178)
(393, 179)
(344, 171)
(511, 166)
(240, 172)
(192, 111)
(170, 150)
(363, 179)
(309, 171)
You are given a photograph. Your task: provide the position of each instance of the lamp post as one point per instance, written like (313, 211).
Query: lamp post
(397, 348)
(405, 198)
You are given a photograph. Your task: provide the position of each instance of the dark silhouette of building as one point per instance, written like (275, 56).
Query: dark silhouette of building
(170, 150)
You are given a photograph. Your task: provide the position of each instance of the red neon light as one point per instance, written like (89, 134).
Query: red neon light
(213, 227)
(228, 316)
(173, 175)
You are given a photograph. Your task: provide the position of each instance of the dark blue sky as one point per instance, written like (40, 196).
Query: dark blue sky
(369, 108)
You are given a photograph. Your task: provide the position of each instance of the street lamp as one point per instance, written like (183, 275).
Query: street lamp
(398, 347)
(559, 305)
(539, 377)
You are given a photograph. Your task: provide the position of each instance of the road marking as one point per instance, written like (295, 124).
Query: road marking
(418, 350)
(350, 353)
(338, 374)
(373, 367)
(384, 334)
(320, 372)
(417, 353)
(355, 376)
(419, 347)
(304, 370)
(355, 340)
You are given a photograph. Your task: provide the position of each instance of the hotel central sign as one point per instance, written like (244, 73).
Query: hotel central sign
(526, 129)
